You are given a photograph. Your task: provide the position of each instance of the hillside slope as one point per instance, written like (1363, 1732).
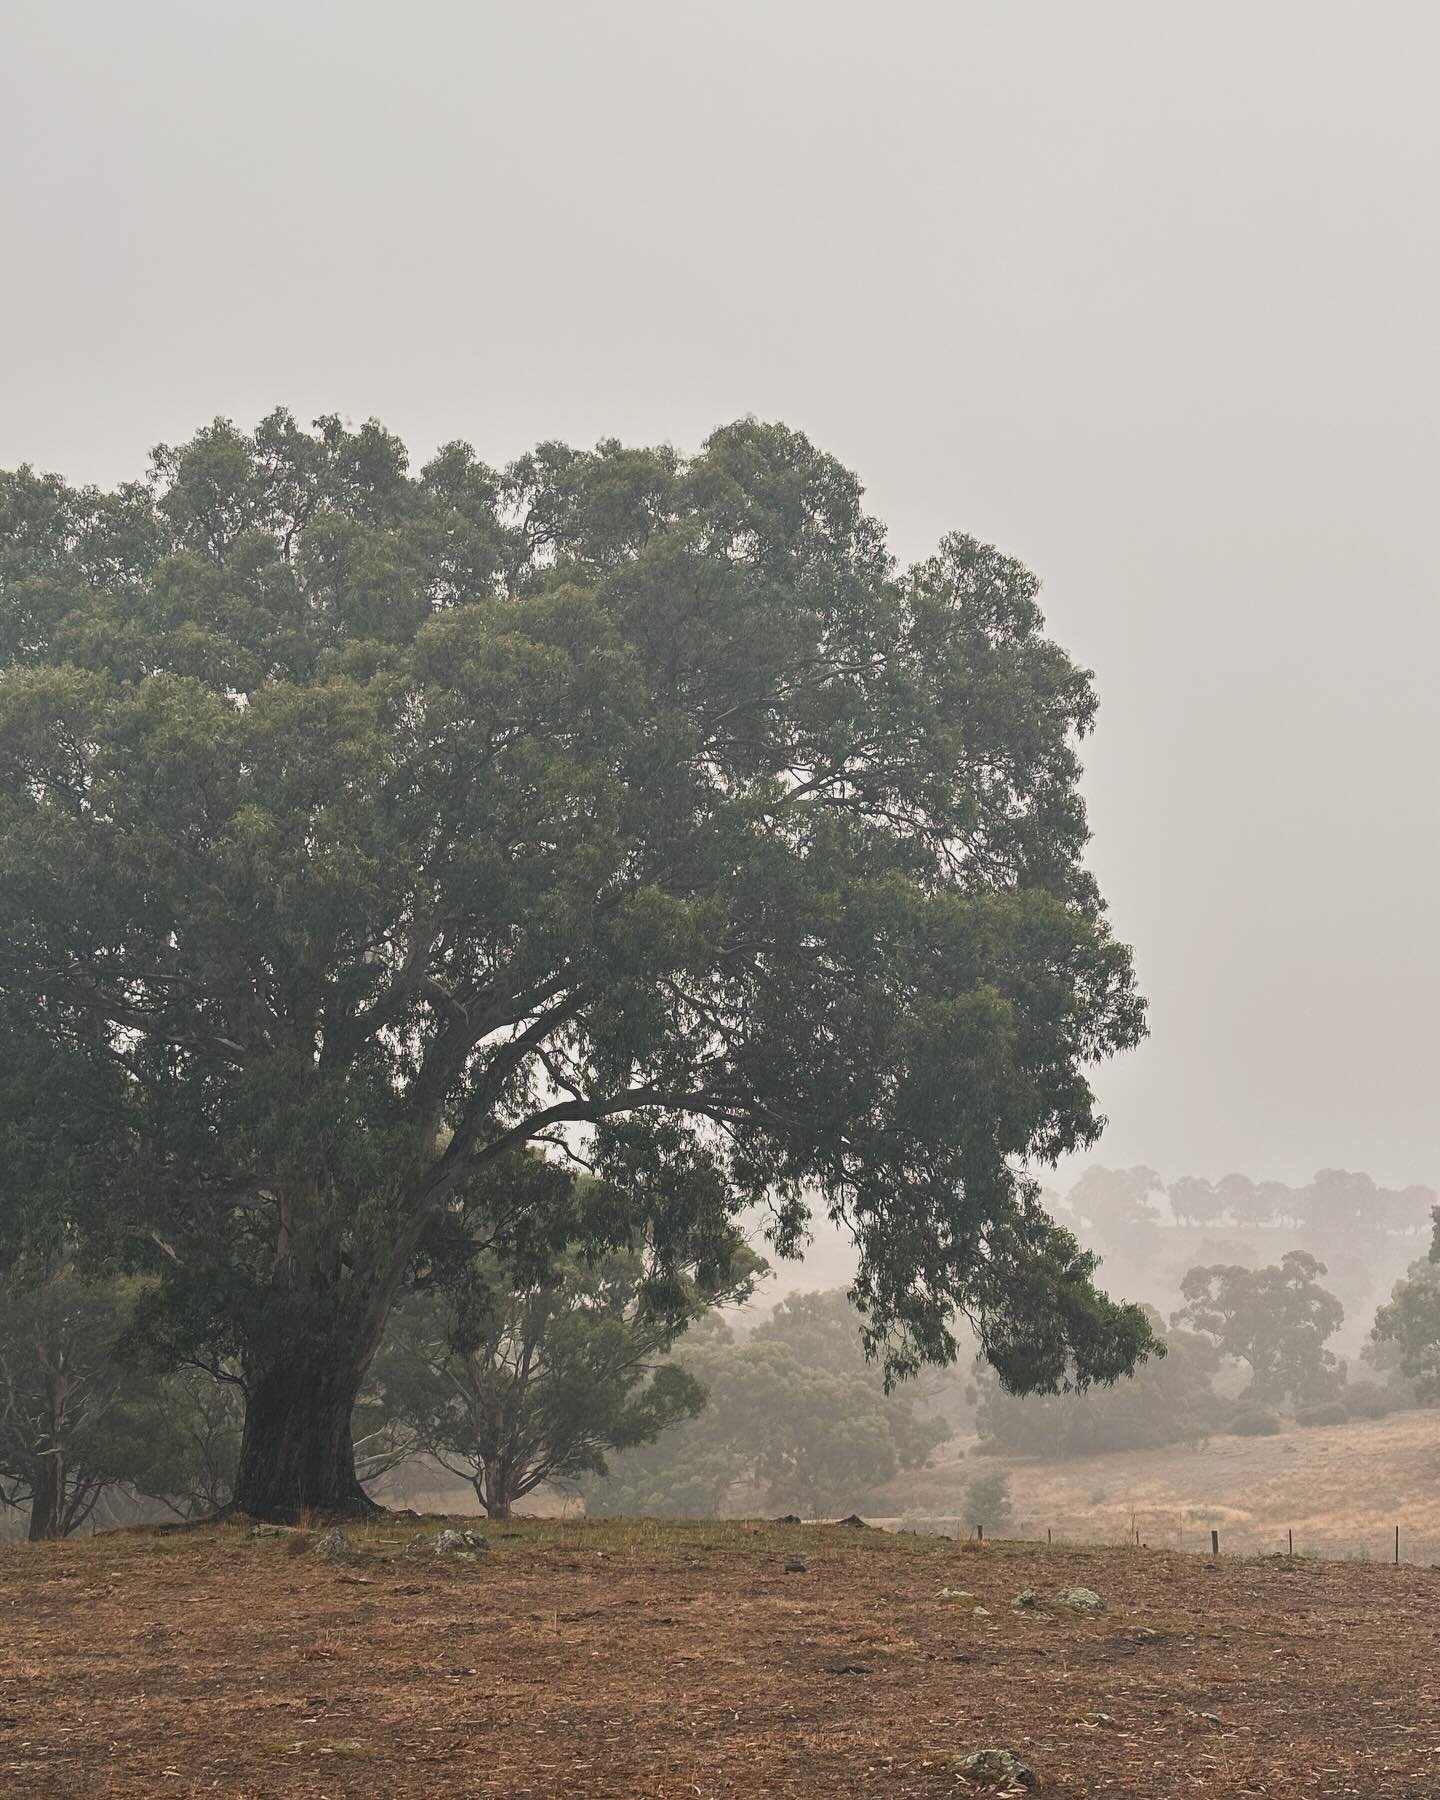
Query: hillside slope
(1342, 1490)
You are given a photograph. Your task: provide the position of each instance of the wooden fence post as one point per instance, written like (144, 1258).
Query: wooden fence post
(1214, 1543)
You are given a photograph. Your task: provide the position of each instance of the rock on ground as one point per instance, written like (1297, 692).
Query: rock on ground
(449, 1542)
(991, 1768)
(1080, 1599)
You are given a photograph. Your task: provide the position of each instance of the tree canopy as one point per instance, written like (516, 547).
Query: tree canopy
(1275, 1320)
(517, 1381)
(74, 1419)
(794, 1414)
(1408, 1325)
(361, 828)
(1171, 1400)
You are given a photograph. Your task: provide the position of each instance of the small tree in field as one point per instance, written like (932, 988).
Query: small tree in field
(988, 1506)
(525, 1382)
(74, 1421)
(1275, 1320)
(1407, 1327)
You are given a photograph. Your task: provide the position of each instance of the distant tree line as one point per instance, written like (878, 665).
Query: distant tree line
(1270, 1328)
(1335, 1204)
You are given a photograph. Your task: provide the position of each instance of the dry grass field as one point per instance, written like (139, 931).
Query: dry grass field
(671, 1660)
(1342, 1490)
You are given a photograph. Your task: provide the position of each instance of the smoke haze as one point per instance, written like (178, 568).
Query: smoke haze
(1144, 294)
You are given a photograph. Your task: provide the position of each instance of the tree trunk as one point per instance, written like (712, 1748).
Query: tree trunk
(496, 1487)
(296, 1453)
(45, 1500)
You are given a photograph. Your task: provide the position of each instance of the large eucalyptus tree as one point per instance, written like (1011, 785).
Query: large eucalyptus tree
(361, 829)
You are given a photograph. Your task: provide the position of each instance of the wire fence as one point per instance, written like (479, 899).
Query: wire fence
(1392, 1544)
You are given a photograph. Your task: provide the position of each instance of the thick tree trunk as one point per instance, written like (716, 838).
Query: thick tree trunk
(296, 1453)
(46, 1498)
(497, 1485)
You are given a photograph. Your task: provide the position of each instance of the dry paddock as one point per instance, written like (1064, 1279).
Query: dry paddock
(641, 1660)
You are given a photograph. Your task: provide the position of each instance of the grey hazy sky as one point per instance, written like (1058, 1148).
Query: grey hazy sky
(1147, 293)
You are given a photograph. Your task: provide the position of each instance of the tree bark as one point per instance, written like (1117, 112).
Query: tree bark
(495, 1490)
(46, 1497)
(296, 1451)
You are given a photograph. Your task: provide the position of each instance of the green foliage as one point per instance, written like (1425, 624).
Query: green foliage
(74, 1420)
(361, 826)
(521, 1380)
(1369, 1400)
(205, 1416)
(794, 1411)
(987, 1502)
(1169, 1400)
(1254, 1421)
(1331, 1413)
(1409, 1325)
(1275, 1320)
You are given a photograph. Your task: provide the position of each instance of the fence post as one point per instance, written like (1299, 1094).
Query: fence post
(1397, 1546)
(1214, 1543)
(980, 1533)
(1291, 1535)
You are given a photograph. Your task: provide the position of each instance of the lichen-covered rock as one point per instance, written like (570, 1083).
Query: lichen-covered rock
(1080, 1599)
(267, 1531)
(997, 1768)
(1025, 1601)
(449, 1542)
(957, 1596)
(334, 1546)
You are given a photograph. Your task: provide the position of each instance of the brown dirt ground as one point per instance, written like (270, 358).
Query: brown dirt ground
(649, 1660)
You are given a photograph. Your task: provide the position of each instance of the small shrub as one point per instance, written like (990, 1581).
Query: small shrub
(1331, 1413)
(1368, 1400)
(987, 1502)
(1254, 1421)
